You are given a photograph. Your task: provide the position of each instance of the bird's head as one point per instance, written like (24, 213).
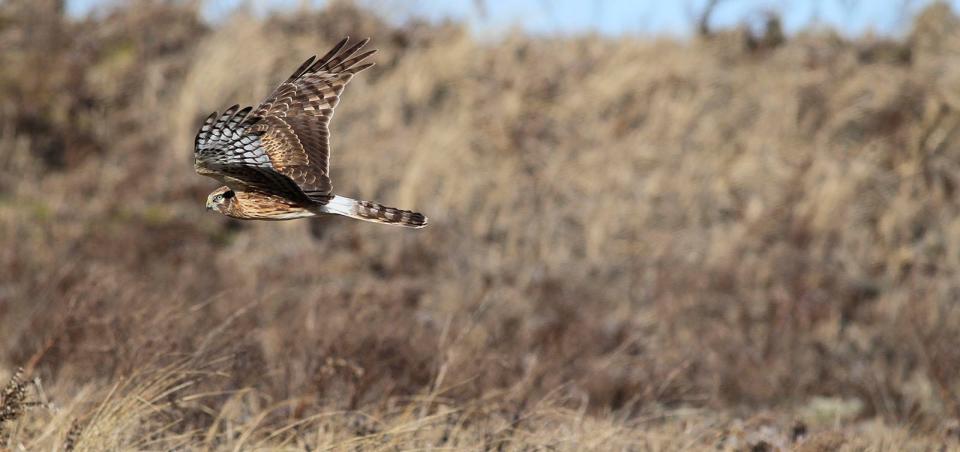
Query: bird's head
(220, 199)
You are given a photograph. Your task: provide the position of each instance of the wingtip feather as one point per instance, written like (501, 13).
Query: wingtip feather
(333, 52)
(303, 68)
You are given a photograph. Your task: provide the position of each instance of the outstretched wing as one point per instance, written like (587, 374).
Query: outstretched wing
(295, 118)
(288, 134)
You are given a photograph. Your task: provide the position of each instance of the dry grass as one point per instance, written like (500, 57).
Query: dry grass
(635, 244)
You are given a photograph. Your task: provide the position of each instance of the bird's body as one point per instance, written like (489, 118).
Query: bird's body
(254, 205)
(274, 161)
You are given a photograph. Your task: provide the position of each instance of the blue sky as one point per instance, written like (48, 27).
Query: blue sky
(650, 17)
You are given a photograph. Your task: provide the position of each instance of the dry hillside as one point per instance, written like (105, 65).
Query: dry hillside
(725, 243)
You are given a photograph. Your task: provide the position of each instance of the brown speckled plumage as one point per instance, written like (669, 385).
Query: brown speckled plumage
(275, 159)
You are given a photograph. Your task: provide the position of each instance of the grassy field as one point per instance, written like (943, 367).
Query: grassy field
(735, 242)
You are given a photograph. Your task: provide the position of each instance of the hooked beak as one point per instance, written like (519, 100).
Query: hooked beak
(209, 206)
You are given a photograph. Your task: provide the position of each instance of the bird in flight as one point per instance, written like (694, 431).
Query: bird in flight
(275, 161)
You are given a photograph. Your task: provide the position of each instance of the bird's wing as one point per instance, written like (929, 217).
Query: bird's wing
(283, 147)
(293, 121)
(229, 150)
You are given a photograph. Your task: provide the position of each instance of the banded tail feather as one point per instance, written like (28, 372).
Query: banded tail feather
(374, 212)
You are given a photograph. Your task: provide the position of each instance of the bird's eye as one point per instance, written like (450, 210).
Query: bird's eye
(218, 198)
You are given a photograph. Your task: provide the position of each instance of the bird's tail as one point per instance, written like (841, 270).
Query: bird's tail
(377, 213)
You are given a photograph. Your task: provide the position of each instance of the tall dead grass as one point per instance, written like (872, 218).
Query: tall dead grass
(633, 243)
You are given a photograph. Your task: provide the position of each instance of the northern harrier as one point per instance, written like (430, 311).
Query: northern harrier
(275, 161)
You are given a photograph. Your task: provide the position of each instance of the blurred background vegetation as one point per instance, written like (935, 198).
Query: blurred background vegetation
(748, 237)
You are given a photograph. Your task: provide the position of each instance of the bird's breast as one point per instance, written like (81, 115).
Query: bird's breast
(260, 206)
